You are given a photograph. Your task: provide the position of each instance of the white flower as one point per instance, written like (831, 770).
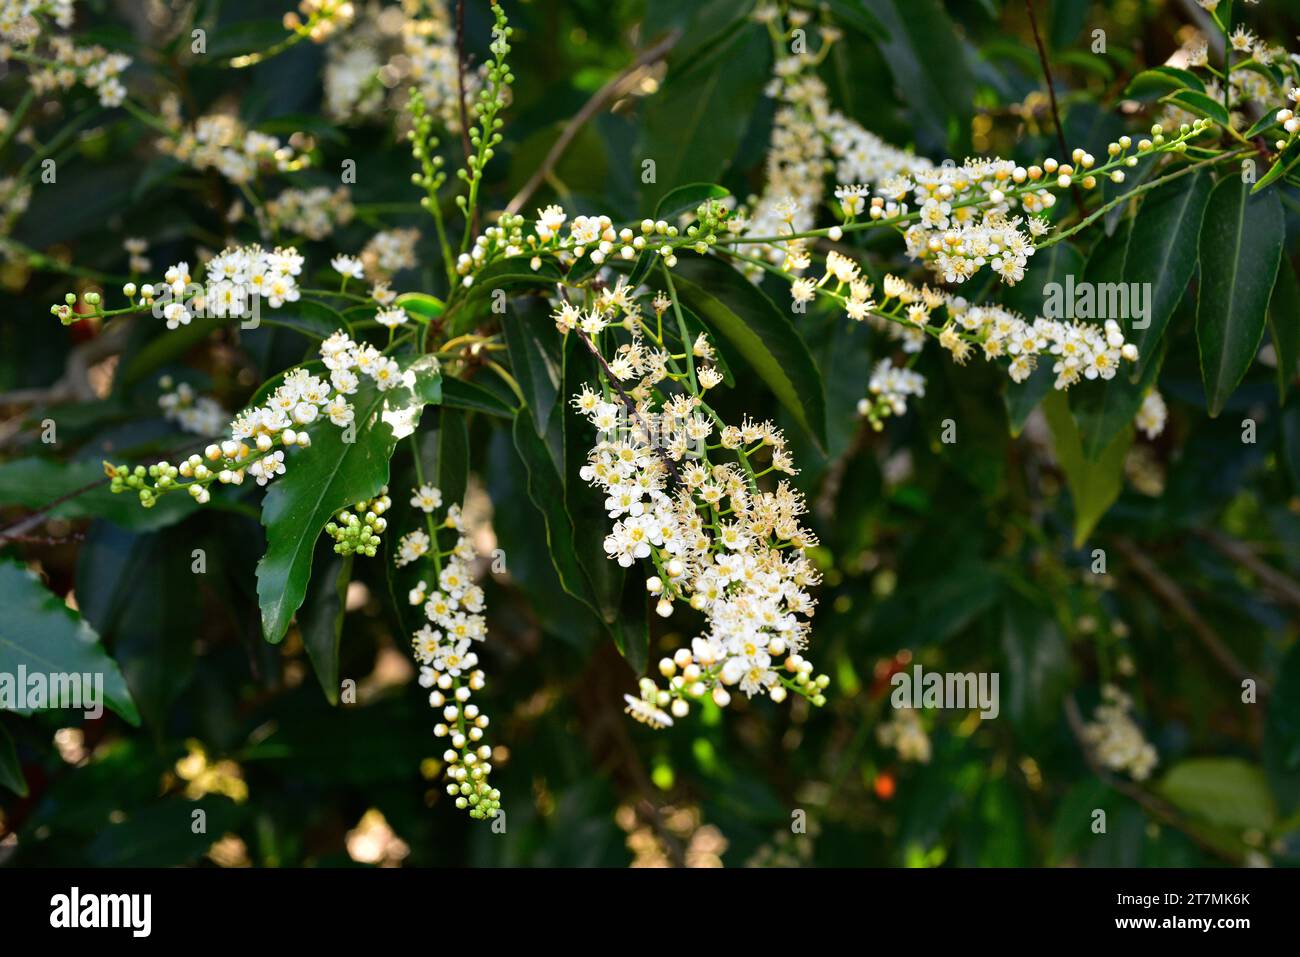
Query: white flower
(427, 498)
(391, 318)
(1150, 418)
(348, 266)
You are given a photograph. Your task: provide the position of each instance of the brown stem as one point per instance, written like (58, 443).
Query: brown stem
(593, 106)
(1156, 807)
(1167, 590)
(1051, 95)
(1284, 588)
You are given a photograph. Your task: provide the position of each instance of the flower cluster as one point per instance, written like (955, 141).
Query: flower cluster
(889, 388)
(390, 49)
(796, 163)
(448, 664)
(199, 414)
(1116, 740)
(595, 237)
(1151, 415)
(324, 18)
(716, 539)
(14, 198)
(237, 280)
(906, 735)
(357, 530)
(64, 64)
(311, 213)
(1077, 350)
(222, 142)
(285, 418)
(20, 20)
(389, 252)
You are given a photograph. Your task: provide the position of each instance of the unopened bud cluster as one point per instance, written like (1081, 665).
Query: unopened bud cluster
(357, 530)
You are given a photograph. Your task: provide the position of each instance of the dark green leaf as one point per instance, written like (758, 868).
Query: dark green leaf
(734, 308)
(318, 482)
(141, 594)
(1201, 104)
(1284, 326)
(1038, 661)
(694, 125)
(460, 394)
(1167, 231)
(686, 199)
(43, 636)
(313, 319)
(1094, 484)
(321, 617)
(1240, 248)
(1156, 82)
(534, 347)
(928, 60)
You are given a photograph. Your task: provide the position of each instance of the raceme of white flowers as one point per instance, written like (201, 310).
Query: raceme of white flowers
(20, 20)
(390, 49)
(200, 414)
(60, 64)
(449, 666)
(286, 418)
(311, 213)
(905, 734)
(715, 539)
(1115, 739)
(237, 281)
(222, 142)
(1151, 415)
(1078, 351)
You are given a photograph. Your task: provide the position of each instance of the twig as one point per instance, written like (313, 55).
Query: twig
(17, 530)
(1285, 588)
(1148, 801)
(1168, 591)
(47, 539)
(593, 106)
(1051, 95)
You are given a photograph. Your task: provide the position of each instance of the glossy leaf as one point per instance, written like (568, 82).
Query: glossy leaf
(734, 308)
(534, 348)
(686, 199)
(43, 636)
(1153, 83)
(463, 394)
(1240, 248)
(1167, 232)
(1284, 326)
(1201, 104)
(695, 123)
(321, 618)
(319, 481)
(139, 592)
(1094, 484)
